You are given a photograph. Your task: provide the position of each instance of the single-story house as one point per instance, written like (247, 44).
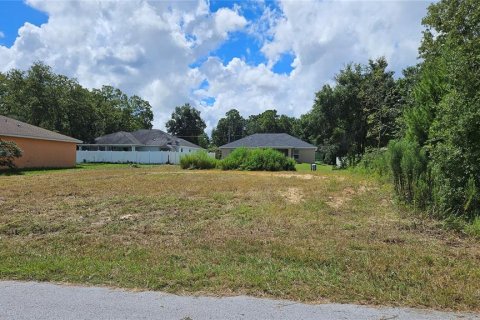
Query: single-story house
(41, 148)
(140, 140)
(285, 143)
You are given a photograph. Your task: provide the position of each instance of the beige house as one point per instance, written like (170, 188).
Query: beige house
(293, 147)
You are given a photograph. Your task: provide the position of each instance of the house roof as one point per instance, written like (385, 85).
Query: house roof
(186, 143)
(121, 137)
(269, 140)
(13, 128)
(144, 137)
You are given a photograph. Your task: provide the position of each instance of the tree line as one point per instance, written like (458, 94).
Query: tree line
(55, 102)
(359, 112)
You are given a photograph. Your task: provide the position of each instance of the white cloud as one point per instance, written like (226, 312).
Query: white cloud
(323, 36)
(227, 20)
(146, 47)
(2, 35)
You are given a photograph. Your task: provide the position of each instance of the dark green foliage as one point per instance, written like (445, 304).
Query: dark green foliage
(269, 122)
(55, 102)
(376, 161)
(9, 151)
(440, 153)
(186, 123)
(235, 159)
(229, 129)
(436, 163)
(359, 112)
(198, 160)
(234, 126)
(257, 160)
(408, 164)
(268, 160)
(204, 141)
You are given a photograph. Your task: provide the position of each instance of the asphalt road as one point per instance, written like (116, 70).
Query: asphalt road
(33, 300)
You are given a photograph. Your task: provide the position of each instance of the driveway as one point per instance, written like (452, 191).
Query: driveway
(33, 300)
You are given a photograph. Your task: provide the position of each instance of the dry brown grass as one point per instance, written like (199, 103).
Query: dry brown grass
(312, 237)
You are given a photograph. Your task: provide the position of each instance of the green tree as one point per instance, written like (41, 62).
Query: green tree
(265, 122)
(444, 117)
(186, 123)
(337, 123)
(204, 141)
(361, 111)
(381, 103)
(229, 128)
(269, 121)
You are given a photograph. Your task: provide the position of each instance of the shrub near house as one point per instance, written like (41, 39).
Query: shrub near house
(198, 160)
(9, 151)
(257, 160)
(241, 159)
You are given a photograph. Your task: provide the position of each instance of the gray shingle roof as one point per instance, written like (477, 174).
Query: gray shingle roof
(144, 137)
(121, 137)
(269, 140)
(186, 143)
(13, 128)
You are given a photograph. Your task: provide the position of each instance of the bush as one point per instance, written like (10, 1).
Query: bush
(375, 161)
(198, 160)
(408, 164)
(473, 228)
(257, 160)
(235, 159)
(9, 151)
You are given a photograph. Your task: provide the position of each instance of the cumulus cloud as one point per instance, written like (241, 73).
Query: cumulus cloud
(148, 48)
(323, 36)
(141, 47)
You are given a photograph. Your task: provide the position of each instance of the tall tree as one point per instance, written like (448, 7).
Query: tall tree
(269, 121)
(229, 128)
(337, 122)
(186, 123)
(361, 111)
(381, 103)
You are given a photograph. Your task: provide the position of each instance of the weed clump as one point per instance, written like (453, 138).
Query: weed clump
(198, 160)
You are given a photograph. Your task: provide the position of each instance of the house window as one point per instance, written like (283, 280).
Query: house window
(296, 154)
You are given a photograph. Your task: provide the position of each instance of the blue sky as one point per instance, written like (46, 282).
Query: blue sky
(13, 15)
(216, 55)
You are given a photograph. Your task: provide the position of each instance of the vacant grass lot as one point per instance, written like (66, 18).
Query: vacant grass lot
(323, 236)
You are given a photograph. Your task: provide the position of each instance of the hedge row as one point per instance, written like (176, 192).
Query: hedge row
(241, 159)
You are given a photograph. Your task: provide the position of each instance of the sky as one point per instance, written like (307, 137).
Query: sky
(251, 55)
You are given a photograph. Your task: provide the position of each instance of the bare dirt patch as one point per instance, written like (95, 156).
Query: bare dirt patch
(346, 195)
(293, 195)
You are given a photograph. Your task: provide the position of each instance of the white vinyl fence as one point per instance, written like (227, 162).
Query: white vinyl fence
(146, 157)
